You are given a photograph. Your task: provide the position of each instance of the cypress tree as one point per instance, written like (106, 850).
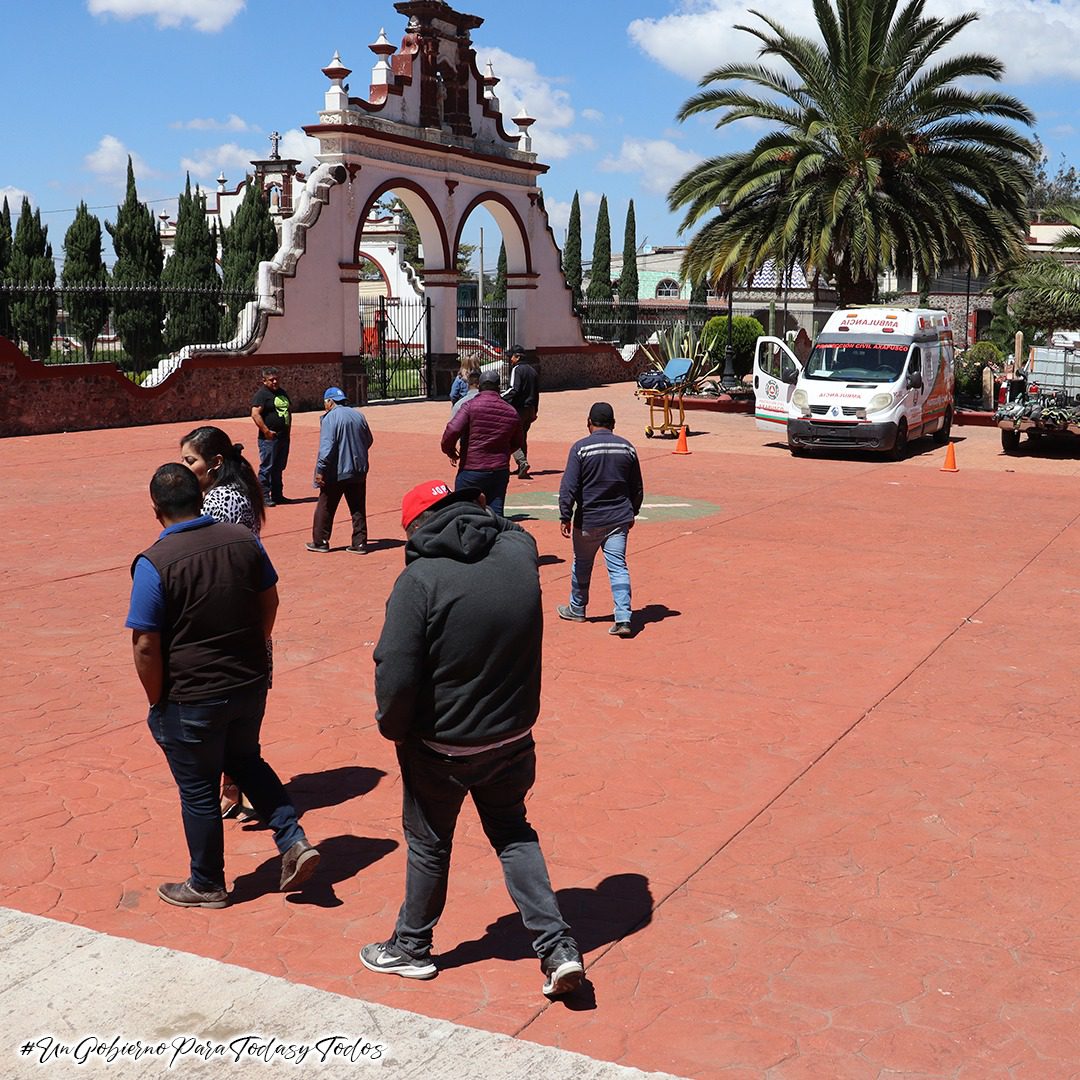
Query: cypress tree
(498, 291)
(137, 307)
(600, 274)
(599, 291)
(572, 252)
(84, 279)
(6, 329)
(248, 241)
(34, 310)
(628, 278)
(192, 285)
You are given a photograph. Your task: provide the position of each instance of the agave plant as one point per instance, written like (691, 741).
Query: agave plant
(683, 340)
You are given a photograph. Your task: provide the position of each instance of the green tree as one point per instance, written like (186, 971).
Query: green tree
(33, 312)
(84, 278)
(498, 290)
(745, 330)
(249, 240)
(599, 291)
(6, 328)
(628, 278)
(571, 256)
(190, 277)
(1061, 189)
(878, 157)
(137, 307)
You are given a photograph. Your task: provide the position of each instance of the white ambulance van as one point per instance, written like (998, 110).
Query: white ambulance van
(875, 378)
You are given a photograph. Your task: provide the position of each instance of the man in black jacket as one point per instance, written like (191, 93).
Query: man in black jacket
(457, 685)
(524, 394)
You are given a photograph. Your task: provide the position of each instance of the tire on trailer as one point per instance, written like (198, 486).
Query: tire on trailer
(1010, 440)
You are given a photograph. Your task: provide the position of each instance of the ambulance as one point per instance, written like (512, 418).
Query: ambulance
(876, 378)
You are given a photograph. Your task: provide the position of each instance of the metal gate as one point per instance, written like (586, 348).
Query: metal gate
(394, 345)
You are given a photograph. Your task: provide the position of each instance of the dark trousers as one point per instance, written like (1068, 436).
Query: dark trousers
(492, 482)
(521, 457)
(273, 457)
(434, 787)
(355, 491)
(201, 741)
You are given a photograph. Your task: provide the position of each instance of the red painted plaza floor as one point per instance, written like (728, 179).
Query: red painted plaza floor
(817, 818)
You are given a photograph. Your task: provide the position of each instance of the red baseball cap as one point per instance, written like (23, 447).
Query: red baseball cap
(429, 494)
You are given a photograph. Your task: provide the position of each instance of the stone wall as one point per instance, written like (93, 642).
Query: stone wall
(589, 365)
(40, 399)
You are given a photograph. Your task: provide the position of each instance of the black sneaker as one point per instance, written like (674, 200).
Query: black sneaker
(323, 548)
(564, 612)
(357, 549)
(563, 968)
(621, 629)
(380, 956)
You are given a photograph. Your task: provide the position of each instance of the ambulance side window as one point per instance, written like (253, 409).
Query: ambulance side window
(788, 370)
(771, 361)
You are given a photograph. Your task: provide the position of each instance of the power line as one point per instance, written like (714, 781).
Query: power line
(108, 206)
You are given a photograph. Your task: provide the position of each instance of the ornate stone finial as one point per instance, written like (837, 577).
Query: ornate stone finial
(221, 181)
(335, 71)
(275, 138)
(163, 217)
(524, 121)
(382, 46)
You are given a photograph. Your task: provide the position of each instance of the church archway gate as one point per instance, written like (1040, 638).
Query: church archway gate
(431, 130)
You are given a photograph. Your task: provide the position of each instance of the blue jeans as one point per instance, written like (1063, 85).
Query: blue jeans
(201, 740)
(492, 482)
(612, 542)
(273, 457)
(434, 787)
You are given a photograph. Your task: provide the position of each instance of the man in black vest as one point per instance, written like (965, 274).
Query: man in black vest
(203, 603)
(524, 394)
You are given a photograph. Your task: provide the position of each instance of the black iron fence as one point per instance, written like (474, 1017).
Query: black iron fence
(394, 345)
(139, 328)
(485, 332)
(639, 322)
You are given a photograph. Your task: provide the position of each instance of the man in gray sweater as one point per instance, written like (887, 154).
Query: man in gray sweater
(341, 469)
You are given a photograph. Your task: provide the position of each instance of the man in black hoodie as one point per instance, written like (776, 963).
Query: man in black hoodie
(457, 685)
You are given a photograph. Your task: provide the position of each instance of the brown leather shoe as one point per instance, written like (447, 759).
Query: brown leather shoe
(298, 864)
(184, 894)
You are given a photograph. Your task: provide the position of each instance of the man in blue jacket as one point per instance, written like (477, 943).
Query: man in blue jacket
(599, 497)
(457, 685)
(342, 467)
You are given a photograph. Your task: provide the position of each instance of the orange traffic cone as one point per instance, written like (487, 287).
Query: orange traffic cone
(680, 446)
(950, 460)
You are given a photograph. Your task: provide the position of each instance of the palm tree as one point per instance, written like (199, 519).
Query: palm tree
(877, 159)
(1043, 291)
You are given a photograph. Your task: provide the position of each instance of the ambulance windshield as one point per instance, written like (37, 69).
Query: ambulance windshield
(851, 361)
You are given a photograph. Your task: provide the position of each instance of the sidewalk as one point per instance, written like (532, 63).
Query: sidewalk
(812, 820)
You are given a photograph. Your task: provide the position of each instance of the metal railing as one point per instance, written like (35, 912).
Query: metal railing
(123, 324)
(638, 323)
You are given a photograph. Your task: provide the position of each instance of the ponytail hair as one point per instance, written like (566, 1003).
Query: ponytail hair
(235, 471)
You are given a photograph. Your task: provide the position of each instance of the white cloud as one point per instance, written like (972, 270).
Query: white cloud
(523, 86)
(14, 198)
(595, 115)
(295, 143)
(228, 157)
(231, 123)
(659, 162)
(109, 161)
(699, 36)
(210, 16)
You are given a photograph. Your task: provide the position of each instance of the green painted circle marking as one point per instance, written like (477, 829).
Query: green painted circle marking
(544, 506)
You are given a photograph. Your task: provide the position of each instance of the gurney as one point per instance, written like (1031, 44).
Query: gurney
(665, 397)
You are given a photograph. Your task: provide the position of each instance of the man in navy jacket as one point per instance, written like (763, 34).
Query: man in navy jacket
(600, 495)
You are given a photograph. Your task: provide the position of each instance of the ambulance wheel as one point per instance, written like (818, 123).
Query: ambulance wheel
(942, 437)
(649, 433)
(900, 446)
(1010, 441)
(795, 450)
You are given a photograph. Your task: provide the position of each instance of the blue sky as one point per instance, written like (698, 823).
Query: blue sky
(197, 85)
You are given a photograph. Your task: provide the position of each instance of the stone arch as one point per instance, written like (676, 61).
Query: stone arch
(362, 255)
(425, 212)
(515, 235)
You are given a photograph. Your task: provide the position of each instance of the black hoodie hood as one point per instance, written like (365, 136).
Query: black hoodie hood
(461, 531)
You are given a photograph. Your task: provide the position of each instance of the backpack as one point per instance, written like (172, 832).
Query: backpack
(654, 380)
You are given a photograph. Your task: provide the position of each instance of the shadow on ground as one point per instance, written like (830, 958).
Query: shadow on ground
(343, 857)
